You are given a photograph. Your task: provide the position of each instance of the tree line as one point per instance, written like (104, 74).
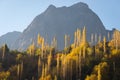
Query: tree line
(78, 61)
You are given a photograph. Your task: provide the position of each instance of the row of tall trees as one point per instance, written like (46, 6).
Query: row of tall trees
(78, 61)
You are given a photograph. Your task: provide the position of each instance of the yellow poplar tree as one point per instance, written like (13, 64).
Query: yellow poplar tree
(49, 61)
(39, 66)
(99, 73)
(54, 43)
(78, 37)
(58, 64)
(39, 39)
(75, 38)
(31, 49)
(104, 45)
(42, 46)
(84, 35)
(55, 78)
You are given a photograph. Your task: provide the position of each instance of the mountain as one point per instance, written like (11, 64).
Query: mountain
(58, 21)
(9, 38)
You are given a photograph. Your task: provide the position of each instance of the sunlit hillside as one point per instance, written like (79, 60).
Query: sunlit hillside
(78, 61)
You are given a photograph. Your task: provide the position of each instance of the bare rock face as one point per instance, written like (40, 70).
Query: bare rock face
(58, 21)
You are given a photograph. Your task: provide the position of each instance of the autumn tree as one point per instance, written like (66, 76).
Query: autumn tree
(78, 37)
(91, 77)
(31, 49)
(75, 38)
(99, 73)
(4, 75)
(39, 66)
(55, 78)
(39, 40)
(54, 43)
(84, 36)
(58, 64)
(19, 71)
(49, 61)
(115, 42)
(104, 45)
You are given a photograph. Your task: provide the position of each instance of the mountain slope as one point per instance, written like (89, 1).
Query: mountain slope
(60, 21)
(9, 38)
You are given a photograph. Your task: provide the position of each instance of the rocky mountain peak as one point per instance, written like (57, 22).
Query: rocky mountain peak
(51, 7)
(80, 5)
(58, 21)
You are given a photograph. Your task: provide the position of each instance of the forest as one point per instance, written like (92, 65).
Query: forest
(77, 61)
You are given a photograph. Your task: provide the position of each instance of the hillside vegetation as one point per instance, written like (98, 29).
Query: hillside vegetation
(78, 61)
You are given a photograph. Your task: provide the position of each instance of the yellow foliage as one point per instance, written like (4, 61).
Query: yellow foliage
(48, 77)
(55, 78)
(90, 51)
(91, 77)
(115, 52)
(4, 75)
(31, 49)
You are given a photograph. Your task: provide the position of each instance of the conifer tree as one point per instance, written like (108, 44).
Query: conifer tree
(3, 52)
(5, 49)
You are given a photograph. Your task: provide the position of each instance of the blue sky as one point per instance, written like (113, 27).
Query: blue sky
(16, 15)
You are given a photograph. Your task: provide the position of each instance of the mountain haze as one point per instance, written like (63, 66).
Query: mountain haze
(58, 21)
(9, 38)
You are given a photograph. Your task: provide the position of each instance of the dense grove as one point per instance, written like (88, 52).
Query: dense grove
(78, 61)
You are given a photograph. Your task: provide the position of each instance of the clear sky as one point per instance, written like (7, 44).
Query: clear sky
(16, 15)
